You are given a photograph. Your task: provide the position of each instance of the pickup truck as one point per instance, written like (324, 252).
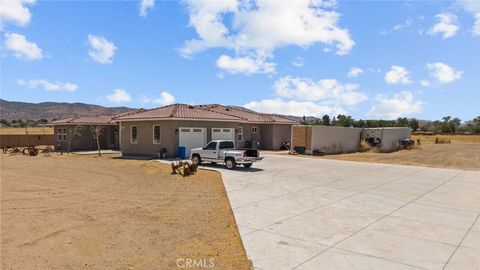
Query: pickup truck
(223, 151)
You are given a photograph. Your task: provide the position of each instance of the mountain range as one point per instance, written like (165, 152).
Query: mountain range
(10, 110)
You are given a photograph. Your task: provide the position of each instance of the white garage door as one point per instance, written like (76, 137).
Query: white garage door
(223, 134)
(192, 138)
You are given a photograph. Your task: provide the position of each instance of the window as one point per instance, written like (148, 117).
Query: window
(211, 146)
(240, 134)
(156, 134)
(226, 145)
(61, 134)
(226, 130)
(133, 134)
(197, 130)
(254, 129)
(216, 130)
(185, 130)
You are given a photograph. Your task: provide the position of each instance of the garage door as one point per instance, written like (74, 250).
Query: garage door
(223, 134)
(192, 138)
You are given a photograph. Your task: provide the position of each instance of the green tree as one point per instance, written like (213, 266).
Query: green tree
(326, 120)
(414, 124)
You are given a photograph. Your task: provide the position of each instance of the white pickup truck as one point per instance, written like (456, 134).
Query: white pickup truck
(223, 151)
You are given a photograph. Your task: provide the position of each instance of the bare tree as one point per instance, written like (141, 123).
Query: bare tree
(75, 131)
(96, 132)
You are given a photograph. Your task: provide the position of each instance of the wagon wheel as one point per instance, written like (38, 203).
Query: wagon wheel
(47, 151)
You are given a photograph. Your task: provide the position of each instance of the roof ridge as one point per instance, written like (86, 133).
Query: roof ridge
(208, 109)
(174, 110)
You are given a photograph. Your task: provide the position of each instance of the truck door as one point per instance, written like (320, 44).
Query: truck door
(210, 151)
(224, 146)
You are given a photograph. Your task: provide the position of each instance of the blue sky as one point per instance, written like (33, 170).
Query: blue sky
(368, 59)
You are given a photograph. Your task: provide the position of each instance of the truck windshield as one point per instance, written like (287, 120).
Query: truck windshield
(226, 145)
(211, 146)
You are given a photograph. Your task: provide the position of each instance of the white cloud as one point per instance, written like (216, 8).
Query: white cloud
(22, 48)
(247, 65)
(397, 75)
(292, 107)
(101, 50)
(399, 105)
(473, 6)
(408, 22)
(354, 72)
(447, 25)
(327, 91)
(165, 99)
(145, 5)
(119, 96)
(476, 26)
(15, 11)
(48, 86)
(298, 62)
(258, 28)
(443, 72)
(425, 83)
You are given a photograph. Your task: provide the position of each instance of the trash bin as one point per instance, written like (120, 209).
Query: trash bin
(182, 152)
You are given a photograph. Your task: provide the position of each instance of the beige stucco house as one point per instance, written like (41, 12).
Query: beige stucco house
(150, 132)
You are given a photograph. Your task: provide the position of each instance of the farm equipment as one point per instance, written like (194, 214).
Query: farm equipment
(406, 143)
(28, 151)
(373, 141)
(285, 146)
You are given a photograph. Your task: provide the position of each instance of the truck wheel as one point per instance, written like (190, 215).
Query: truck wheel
(247, 165)
(230, 163)
(196, 159)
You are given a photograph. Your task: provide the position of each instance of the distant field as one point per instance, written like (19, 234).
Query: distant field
(24, 131)
(453, 138)
(462, 153)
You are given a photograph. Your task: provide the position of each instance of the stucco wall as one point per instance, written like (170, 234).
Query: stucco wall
(248, 135)
(390, 136)
(169, 137)
(335, 140)
(281, 134)
(84, 140)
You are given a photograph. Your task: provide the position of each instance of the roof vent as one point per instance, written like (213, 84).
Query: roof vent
(190, 106)
(228, 109)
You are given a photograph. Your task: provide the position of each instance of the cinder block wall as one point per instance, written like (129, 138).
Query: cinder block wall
(335, 140)
(390, 136)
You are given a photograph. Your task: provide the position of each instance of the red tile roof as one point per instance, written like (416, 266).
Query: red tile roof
(250, 116)
(100, 119)
(180, 111)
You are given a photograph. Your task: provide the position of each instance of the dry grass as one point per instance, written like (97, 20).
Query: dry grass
(452, 138)
(456, 155)
(86, 212)
(25, 131)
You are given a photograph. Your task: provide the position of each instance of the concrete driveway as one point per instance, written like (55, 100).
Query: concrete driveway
(307, 213)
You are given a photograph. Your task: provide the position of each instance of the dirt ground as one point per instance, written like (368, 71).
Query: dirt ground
(462, 153)
(86, 212)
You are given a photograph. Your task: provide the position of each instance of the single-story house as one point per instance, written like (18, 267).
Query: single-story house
(164, 129)
(336, 140)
